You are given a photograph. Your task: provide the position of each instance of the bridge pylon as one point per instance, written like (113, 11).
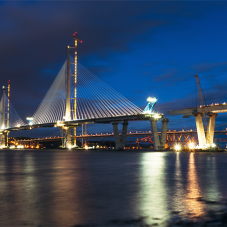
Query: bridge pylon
(75, 76)
(159, 143)
(68, 142)
(120, 141)
(5, 120)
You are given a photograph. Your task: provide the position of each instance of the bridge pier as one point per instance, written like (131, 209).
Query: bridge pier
(203, 139)
(120, 142)
(68, 139)
(200, 130)
(210, 130)
(2, 139)
(159, 144)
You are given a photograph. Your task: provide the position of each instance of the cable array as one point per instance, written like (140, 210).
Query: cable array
(95, 99)
(52, 107)
(14, 118)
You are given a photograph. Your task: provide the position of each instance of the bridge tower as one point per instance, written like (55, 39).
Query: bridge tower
(75, 81)
(3, 108)
(7, 134)
(68, 142)
(3, 123)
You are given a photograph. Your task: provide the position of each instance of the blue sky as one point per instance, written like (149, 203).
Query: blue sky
(141, 49)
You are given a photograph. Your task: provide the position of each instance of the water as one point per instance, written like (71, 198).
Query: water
(64, 188)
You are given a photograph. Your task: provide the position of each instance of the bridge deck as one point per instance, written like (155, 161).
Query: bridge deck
(213, 108)
(74, 123)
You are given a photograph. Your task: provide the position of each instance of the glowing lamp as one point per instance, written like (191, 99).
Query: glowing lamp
(157, 116)
(151, 99)
(177, 147)
(191, 145)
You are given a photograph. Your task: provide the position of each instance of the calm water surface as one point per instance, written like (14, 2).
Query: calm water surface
(68, 188)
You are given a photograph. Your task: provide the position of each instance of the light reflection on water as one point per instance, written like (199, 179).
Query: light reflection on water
(153, 199)
(179, 194)
(108, 188)
(194, 206)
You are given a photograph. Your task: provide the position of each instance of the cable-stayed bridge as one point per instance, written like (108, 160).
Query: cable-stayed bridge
(78, 97)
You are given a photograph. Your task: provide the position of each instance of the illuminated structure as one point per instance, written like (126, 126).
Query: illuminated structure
(75, 92)
(68, 142)
(5, 120)
(3, 108)
(7, 133)
(107, 107)
(150, 106)
(30, 119)
(3, 126)
(159, 143)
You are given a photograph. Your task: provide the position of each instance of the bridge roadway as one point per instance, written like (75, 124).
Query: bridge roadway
(120, 139)
(208, 109)
(111, 135)
(79, 122)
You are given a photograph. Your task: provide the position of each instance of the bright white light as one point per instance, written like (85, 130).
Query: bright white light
(3, 127)
(177, 147)
(156, 116)
(30, 123)
(191, 145)
(69, 147)
(59, 123)
(150, 99)
(213, 145)
(18, 125)
(20, 146)
(12, 147)
(86, 147)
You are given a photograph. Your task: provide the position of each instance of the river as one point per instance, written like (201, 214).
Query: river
(111, 188)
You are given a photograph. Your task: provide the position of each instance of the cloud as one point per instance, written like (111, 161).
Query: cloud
(208, 67)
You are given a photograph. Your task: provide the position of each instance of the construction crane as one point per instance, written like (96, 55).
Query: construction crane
(201, 100)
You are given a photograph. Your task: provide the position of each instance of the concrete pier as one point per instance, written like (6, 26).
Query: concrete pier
(155, 134)
(120, 142)
(200, 130)
(159, 144)
(68, 139)
(210, 129)
(163, 133)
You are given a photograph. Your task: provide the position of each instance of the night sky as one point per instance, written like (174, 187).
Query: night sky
(141, 49)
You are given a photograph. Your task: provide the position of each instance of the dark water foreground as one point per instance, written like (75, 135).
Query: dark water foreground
(64, 188)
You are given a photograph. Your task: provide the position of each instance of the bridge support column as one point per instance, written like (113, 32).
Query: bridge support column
(155, 134)
(159, 144)
(68, 139)
(120, 142)
(200, 130)
(210, 130)
(164, 132)
(2, 140)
